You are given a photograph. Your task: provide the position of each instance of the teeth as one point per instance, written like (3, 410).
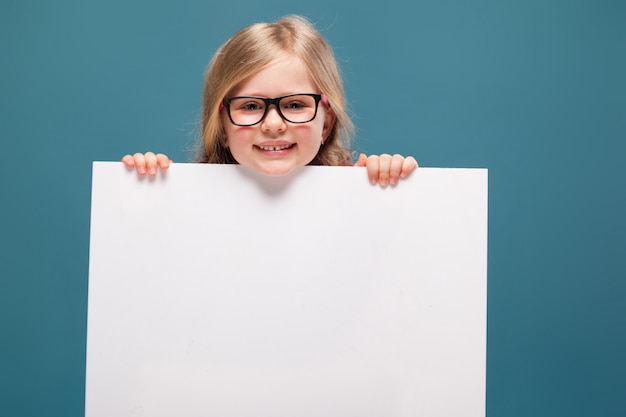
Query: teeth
(274, 148)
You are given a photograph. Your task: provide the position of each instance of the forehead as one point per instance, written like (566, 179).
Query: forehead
(280, 77)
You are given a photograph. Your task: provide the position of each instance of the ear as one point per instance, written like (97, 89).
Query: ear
(223, 138)
(329, 123)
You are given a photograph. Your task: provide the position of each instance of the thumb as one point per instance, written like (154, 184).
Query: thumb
(360, 162)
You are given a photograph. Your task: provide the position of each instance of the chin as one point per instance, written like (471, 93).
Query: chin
(275, 171)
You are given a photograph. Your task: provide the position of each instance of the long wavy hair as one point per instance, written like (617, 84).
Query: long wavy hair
(250, 50)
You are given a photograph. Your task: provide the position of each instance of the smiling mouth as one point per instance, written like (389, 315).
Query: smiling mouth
(276, 148)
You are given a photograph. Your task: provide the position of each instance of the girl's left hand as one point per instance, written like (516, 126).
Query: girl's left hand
(386, 169)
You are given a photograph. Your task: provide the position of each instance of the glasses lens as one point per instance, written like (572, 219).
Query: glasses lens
(246, 111)
(298, 109)
(250, 111)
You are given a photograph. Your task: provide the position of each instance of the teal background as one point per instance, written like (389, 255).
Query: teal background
(533, 90)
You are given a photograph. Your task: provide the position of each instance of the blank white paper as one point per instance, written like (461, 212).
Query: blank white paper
(218, 291)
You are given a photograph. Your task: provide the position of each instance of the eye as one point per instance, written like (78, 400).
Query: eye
(246, 104)
(251, 106)
(294, 104)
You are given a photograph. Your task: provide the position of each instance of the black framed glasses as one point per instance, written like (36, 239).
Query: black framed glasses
(293, 108)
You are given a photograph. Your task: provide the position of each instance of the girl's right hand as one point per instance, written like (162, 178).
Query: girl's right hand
(147, 163)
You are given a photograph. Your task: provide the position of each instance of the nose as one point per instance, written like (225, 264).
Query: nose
(273, 121)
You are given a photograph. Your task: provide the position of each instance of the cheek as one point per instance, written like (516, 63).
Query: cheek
(308, 131)
(236, 135)
(233, 133)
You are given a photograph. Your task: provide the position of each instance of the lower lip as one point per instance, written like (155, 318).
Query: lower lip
(280, 152)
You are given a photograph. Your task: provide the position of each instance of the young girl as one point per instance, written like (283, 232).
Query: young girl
(274, 101)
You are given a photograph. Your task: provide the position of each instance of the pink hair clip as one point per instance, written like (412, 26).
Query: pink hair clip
(325, 100)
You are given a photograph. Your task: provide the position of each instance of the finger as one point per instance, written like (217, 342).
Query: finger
(361, 161)
(395, 169)
(384, 169)
(151, 163)
(409, 165)
(140, 163)
(372, 164)
(129, 161)
(163, 161)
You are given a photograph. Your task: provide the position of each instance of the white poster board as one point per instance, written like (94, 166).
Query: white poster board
(217, 291)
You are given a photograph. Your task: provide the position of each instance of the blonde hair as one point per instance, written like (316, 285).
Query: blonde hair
(246, 53)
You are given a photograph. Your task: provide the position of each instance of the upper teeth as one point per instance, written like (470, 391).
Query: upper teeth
(274, 148)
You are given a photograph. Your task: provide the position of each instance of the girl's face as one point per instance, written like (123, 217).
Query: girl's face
(275, 146)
